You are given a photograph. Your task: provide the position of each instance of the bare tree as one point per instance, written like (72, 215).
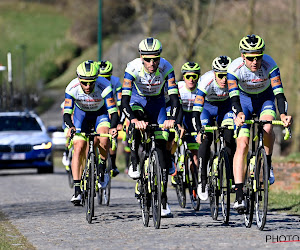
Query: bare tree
(251, 17)
(190, 21)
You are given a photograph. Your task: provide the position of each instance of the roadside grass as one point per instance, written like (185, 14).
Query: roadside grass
(10, 237)
(285, 201)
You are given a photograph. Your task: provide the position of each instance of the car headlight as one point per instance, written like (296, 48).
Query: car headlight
(43, 146)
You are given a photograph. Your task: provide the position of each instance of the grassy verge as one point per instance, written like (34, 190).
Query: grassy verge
(285, 201)
(10, 237)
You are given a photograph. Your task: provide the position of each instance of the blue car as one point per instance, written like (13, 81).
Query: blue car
(24, 142)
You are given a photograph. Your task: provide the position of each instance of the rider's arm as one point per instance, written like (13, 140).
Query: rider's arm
(173, 94)
(234, 93)
(68, 110)
(278, 91)
(197, 109)
(111, 106)
(126, 95)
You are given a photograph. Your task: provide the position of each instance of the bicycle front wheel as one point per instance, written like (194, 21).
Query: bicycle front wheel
(225, 185)
(180, 189)
(213, 190)
(192, 180)
(145, 197)
(156, 186)
(90, 188)
(249, 194)
(262, 185)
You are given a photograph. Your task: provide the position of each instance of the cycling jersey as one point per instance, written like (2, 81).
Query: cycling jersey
(99, 101)
(211, 101)
(144, 88)
(187, 96)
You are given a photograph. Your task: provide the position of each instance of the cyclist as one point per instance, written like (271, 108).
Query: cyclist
(92, 99)
(212, 101)
(105, 70)
(254, 82)
(143, 102)
(187, 91)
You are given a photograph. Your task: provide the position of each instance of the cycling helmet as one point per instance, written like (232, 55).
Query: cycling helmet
(190, 67)
(253, 43)
(150, 46)
(105, 68)
(87, 70)
(221, 63)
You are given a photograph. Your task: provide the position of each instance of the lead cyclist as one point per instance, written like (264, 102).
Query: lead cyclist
(143, 102)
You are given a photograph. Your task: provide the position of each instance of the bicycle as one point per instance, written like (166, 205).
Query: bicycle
(89, 180)
(187, 173)
(256, 184)
(150, 185)
(69, 159)
(219, 175)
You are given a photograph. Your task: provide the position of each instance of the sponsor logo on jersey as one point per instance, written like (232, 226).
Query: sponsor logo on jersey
(231, 84)
(276, 81)
(127, 83)
(110, 102)
(68, 103)
(199, 99)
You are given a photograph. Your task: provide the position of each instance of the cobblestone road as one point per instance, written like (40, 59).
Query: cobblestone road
(38, 205)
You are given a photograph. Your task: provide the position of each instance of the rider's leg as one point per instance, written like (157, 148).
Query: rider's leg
(79, 156)
(204, 155)
(239, 165)
(230, 146)
(103, 149)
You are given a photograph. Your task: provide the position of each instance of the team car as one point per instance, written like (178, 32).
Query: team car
(24, 142)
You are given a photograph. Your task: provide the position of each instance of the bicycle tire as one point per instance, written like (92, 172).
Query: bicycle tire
(213, 191)
(145, 198)
(90, 188)
(249, 195)
(262, 185)
(225, 186)
(103, 194)
(156, 188)
(180, 189)
(192, 181)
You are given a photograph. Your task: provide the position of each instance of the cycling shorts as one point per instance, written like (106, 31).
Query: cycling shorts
(259, 104)
(84, 120)
(219, 110)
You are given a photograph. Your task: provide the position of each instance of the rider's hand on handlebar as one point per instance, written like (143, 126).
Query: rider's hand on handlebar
(70, 131)
(113, 132)
(182, 130)
(168, 124)
(240, 119)
(286, 119)
(141, 125)
(120, 127)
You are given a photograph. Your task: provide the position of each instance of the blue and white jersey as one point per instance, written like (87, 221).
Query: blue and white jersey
(187, 96)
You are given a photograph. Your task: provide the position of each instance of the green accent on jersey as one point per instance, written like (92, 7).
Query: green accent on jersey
(244, 132)
(234, 75)
(197, 108)
(234, 93)
(126, 92)
(168, 72)
(274, 68)
(112, 110)
(278, 91)
(228, 122)
(136, 107)
(68, 111)
(203, 90)
(173, 91)
(119, 103)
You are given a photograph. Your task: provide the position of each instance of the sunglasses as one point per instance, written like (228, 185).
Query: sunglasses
(252, 58)
(88, 83)
(148, 59)
(193, 76)
(221, 75)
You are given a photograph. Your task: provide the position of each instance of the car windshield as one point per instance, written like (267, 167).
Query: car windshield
(19, 123)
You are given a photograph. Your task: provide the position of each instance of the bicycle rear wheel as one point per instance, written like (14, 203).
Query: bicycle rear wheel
(192, 181)
(156, 186)
(90, 188)
(180, 189)
(213, 191)
(262, 185)
(249, 195)
(224, 185)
